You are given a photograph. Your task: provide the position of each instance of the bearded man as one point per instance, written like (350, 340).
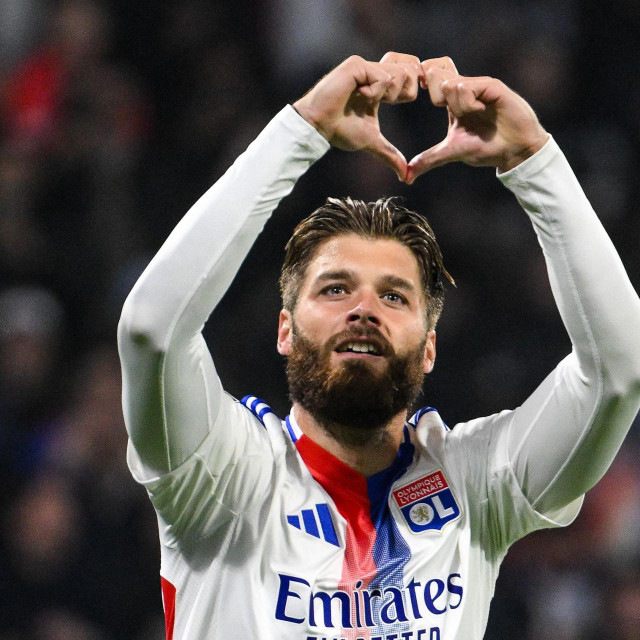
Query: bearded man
(349, 519)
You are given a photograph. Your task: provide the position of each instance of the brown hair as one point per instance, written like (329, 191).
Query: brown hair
(384, 218)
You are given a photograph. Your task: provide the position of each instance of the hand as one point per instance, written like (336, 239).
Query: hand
(344, 105)
(489, 124)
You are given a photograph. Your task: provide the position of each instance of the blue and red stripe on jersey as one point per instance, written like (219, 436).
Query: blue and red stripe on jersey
(375, 551)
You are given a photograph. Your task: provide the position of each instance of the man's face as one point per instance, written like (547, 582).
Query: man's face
(357, 344)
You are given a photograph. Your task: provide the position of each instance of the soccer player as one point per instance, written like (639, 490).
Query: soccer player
(347, 519)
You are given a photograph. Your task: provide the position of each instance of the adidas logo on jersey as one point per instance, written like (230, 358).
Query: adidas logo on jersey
(316, 522)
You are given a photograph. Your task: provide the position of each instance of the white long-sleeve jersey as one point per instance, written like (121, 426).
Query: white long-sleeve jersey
(264, 534)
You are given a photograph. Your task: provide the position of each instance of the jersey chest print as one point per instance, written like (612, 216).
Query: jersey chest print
(368, 521)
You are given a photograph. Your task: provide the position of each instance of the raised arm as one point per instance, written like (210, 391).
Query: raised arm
(172, 396)
(564, 437)
(567, 433)
(171, 393)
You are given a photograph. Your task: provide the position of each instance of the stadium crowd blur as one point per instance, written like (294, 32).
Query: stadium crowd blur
(117, 115)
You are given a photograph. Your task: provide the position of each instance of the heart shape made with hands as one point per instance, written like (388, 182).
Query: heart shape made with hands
(488, 123)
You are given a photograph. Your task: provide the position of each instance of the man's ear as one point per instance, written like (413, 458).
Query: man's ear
(429, 358)
(285, 333)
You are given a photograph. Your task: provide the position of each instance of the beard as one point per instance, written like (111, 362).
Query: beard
(353, 401)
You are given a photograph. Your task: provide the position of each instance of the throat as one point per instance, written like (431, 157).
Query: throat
(366, 452)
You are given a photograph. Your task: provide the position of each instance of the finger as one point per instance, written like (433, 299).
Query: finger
(436, 156)
(399, 77)
(400, 58)
(485, 89)
(451, 93)
(445, 63)
(373, 80)
(433, 81)
(390, 155)
(461, 96)
(404, 86)
(411, 83)
(412, 64)
(368, 78)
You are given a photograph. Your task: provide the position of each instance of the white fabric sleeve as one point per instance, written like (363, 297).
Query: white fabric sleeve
(172, 396)
(564, 437)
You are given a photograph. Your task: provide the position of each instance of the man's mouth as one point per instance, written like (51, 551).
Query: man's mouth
(360, 348)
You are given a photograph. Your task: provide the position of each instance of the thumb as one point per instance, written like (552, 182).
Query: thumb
(390, 155)
(436, 156)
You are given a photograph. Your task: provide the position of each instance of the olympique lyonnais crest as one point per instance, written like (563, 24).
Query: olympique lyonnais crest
(427, 503)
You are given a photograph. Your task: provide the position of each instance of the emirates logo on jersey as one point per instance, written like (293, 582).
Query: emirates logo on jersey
(427, 503)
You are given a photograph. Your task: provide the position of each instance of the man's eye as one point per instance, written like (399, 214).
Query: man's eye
(394, 297)
(335, 290)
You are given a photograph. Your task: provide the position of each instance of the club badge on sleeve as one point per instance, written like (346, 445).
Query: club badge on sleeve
(427, 503)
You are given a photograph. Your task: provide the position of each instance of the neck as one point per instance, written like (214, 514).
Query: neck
(366, 457)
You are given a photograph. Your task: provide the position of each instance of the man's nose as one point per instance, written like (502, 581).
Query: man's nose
(365, 311)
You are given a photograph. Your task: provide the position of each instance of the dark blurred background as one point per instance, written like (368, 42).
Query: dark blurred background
(117, 114)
